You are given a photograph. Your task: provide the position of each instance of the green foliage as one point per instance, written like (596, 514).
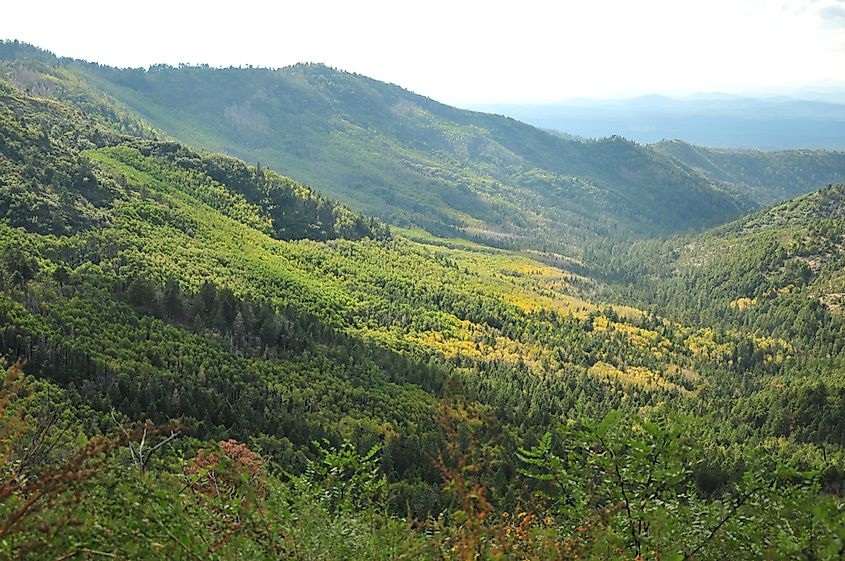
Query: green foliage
(48, 183)
(45, 184)
(626, 487)
(407, 159)
(774, 275)
(142, 277)
(341, 479)
(767, 177)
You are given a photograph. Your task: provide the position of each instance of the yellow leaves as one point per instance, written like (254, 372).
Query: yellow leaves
(641, 338)
(449, 346)
(776, 350)
(742, 304)
(702, 344)
(478, 342)
(638, 336)
(518, 279)
(772, 344)
(534, 300)
(601, 323)
(633, 376)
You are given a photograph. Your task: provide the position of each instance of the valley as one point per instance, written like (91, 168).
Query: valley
(410, 331)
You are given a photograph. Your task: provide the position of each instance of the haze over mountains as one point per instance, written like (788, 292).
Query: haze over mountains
(713, 120)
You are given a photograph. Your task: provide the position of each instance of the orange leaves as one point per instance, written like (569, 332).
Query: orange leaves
(224, 473)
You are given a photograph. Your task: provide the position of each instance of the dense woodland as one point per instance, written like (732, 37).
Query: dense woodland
(207, 360)
(397, 156)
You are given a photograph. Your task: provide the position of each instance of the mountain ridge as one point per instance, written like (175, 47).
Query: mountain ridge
(769, 177)
(408, 159)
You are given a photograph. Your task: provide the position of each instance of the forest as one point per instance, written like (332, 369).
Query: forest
(206, 359)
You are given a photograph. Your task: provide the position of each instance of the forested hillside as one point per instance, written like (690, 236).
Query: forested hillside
(767, 177)
(404, 158)
(794, 247)
(183, 259)
(415, 162)
(205, 359)
(776, 273)
(49, 185)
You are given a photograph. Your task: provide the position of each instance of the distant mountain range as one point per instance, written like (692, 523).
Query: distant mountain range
(816, 120)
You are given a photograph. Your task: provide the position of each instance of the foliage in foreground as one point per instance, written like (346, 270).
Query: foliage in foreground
(624, 488)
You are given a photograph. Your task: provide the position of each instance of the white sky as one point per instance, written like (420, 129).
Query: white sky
(466, 51)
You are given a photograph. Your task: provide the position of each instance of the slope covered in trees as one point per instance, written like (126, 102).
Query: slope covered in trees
(404, 158)
(794, 247)
(414, 162)
(48, 184)
(341, 390)
(411, 160)
(767, 177)
(194, 252)
(776, 273)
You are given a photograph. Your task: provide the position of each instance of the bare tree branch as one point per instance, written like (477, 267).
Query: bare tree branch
(173, 435)
(139, 457)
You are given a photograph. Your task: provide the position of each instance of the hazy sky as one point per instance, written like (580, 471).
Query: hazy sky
(464, 51)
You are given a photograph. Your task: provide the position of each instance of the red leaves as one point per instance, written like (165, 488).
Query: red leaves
(227, 472)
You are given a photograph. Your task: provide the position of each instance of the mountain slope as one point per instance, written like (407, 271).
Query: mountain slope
(791, 254)
(768, 177)
(405, 158)
(778, 275)
(411, 160)
(385, 374)
(48, 185)
(190, 285)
